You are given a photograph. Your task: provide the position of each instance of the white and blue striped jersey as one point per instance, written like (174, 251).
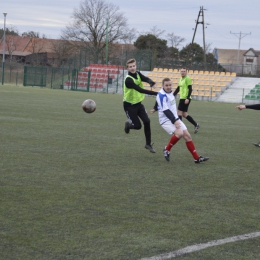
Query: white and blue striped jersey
(166, 101)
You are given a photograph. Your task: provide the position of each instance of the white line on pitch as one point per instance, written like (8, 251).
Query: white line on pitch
(190, 249)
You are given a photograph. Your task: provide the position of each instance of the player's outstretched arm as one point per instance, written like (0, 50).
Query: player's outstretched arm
(130, 84)
(240, 107)
(155, 108)
(254, 106)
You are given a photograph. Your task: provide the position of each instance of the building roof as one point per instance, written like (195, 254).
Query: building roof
(251, 50)
(16, 53)
(231, 56)
(40, 45)
(14, 43)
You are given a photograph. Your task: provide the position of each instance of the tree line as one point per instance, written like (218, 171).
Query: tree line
(98, 24)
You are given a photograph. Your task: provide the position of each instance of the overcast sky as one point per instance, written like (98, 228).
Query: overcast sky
(49, 17)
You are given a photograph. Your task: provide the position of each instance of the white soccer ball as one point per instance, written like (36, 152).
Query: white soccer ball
(89, 106)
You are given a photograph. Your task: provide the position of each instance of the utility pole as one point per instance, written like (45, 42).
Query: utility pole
(201, 13)
(239, 36)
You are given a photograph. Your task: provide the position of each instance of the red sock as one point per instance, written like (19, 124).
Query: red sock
(191, 147)
(174, 139)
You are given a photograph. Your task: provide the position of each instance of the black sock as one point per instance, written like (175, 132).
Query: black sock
(191, 120)
(147, 133)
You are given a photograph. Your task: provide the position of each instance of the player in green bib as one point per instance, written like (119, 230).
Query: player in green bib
(185, 89)
(134, 94)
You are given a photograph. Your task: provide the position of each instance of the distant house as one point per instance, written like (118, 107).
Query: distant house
(36, 51)
(242, 61)
(52, 52)
(15, 47)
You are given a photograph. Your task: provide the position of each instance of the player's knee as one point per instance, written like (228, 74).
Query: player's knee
(137, 126)
(178, 133)
(187, 136)
(147, 121)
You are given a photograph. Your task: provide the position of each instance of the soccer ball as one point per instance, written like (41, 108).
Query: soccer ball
(89, 106)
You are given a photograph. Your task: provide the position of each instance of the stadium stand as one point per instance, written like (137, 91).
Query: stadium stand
(254, 94)
(99, 77)
(207, 85)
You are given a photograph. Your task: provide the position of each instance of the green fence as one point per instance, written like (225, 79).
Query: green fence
(58, 77)
(35, 76)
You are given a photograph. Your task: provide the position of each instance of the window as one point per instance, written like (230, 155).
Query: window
(249, 60)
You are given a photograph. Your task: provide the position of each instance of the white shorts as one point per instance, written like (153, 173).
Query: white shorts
(170, 128)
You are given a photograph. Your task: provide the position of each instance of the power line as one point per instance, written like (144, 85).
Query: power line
(239, 36)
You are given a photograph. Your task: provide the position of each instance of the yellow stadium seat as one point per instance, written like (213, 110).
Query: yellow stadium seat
(228, 79)
(201, 93)
(155, 69)
(217, 89)
(206, 95)
(195, 87)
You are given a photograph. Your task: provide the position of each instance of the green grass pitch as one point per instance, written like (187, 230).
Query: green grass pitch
(74, 186)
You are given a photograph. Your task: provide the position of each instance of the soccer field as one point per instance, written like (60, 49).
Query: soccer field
(74, 186)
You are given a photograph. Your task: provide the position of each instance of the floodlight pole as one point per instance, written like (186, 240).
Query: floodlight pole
(239, 36)
(3, 59)
(107, 43)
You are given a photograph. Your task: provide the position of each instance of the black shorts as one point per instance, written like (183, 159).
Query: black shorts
(182, 106)
(136, 111)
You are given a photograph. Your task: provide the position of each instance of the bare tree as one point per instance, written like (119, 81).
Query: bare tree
(208, 47)
(93, 22)
(129, 36)
(63, 50)
(36, 47)
(12, 43)
(156, 31)
(174, 40)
